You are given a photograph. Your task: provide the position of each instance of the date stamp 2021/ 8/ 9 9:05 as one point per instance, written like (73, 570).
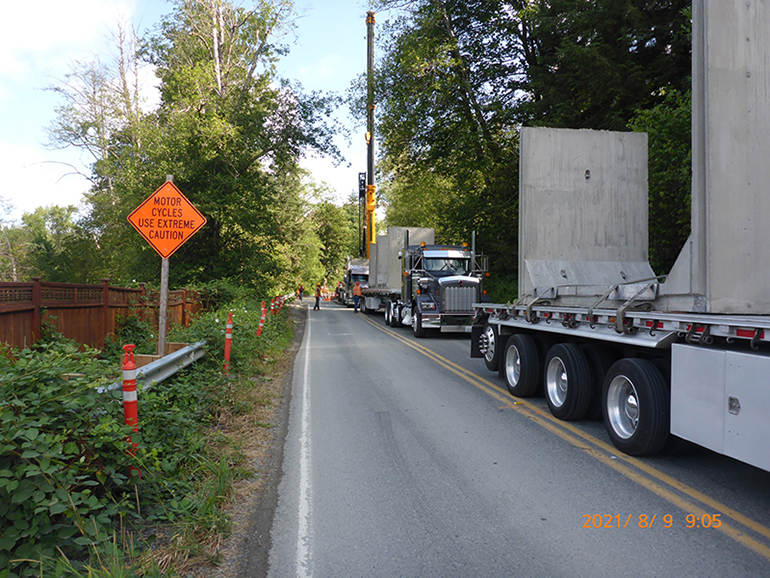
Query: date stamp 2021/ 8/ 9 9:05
(648, 521)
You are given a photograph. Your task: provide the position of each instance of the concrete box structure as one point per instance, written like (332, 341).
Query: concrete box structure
(582, 210)
(725, 265)
(384, 265)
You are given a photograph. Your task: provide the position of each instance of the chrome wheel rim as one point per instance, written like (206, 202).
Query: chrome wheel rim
(489, 334)
(556, 381)
(623, 406)
(513, 366)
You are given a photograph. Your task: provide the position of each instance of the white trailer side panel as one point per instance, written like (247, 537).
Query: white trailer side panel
(721, 401)
(697, 395)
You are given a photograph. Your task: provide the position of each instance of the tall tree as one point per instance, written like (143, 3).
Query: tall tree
(459, 77)
(228, 130)
(596, 63)
(331, 227)
(447, 140)
(50, 230)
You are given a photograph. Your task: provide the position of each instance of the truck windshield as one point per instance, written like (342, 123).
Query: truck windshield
(360, 278)
(451, 266)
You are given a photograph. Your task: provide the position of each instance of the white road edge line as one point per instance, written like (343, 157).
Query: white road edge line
(305, 485)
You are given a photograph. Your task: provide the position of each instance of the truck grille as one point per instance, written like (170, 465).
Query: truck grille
(459, 298)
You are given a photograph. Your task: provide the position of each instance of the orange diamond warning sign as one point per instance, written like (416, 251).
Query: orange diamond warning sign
(167, 219)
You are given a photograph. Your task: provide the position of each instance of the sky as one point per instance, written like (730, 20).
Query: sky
(40, 41)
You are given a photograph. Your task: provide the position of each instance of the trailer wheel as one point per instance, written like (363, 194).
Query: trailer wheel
(419, 330)
(567, 382)
(636, 406)
(492, 350)
(522, 365)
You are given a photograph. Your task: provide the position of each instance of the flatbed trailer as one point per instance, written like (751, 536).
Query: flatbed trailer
(594, 328)
(645, 329)
(648, 374)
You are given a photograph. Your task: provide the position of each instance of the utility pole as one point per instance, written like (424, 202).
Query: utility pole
(371, 201)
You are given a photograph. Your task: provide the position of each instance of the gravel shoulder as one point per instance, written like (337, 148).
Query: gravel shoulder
(245, 553)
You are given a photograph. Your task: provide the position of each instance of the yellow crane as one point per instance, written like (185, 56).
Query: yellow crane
(371, 200)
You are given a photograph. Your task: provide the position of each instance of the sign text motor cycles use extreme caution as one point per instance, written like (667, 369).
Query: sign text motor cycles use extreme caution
(166, 219)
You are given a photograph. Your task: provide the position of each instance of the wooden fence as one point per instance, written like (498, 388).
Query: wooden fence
(84, 313)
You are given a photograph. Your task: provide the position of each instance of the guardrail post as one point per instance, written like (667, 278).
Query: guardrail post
(130, 409)
(228, 341)
(262, 319)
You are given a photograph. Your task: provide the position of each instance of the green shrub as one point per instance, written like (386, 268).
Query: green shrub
(218, 294)
(130, 328)
(63, 455)
(66, 486)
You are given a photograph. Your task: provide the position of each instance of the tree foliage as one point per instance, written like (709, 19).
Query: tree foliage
(670, 175)
(51, 230)
(229, 131)
(458, 78)
(596, 63)
(448, 141)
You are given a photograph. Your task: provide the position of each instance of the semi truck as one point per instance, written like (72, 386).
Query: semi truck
(356, 270)
(594, 328)
(421, 284)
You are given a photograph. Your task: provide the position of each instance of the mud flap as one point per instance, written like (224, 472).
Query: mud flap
(476, 332)
(503, 341)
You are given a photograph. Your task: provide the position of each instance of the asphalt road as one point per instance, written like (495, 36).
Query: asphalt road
(405, 457)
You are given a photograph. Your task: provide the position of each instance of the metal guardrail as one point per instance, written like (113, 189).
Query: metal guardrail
(168, 365)
(164, 367)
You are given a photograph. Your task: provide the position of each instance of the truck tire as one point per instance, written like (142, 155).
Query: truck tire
(636, 407)
(419, 330)
(492, 353)
(522, 366)
(395, 316)
(568, 383)
(391, 314)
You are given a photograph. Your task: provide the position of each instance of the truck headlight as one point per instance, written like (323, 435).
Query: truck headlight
(428, 306)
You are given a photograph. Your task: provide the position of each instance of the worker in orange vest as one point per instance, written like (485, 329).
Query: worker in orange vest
(356, 295)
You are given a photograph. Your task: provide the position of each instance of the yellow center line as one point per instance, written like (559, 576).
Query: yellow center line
(571, 436)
